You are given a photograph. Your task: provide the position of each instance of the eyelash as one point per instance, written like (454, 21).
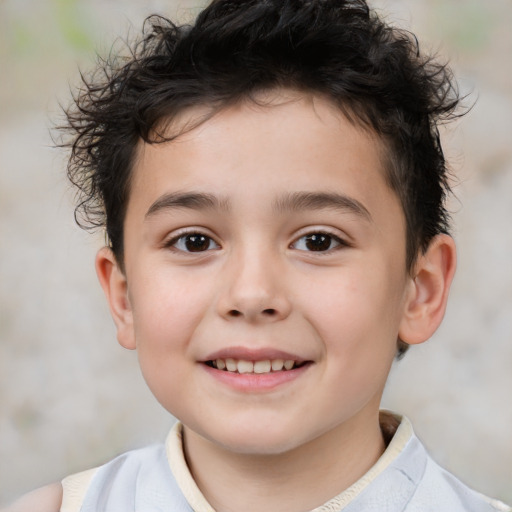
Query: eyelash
(323, 237)
(182, 237)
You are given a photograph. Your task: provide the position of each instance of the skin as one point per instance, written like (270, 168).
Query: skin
(291, 441)
(45, 499)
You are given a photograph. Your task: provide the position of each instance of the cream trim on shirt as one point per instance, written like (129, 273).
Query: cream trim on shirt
(178, 464)
(397, 444)
(179, 468)
(74, 488)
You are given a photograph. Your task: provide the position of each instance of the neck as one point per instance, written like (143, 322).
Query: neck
(295, 481)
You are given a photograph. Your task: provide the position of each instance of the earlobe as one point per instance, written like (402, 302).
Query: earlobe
(428, 291)
(114, 284)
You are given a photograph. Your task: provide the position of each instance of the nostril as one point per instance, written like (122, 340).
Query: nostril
(234, 313)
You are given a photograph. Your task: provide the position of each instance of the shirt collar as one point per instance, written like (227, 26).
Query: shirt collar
(195, 498)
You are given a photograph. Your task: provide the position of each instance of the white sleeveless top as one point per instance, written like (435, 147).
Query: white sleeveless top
(157, 479)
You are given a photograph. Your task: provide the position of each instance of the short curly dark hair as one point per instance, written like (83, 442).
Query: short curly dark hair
(340, 49)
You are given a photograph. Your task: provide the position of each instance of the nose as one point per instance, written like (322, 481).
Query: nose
(253, 290)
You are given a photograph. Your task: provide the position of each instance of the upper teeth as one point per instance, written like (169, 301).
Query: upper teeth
(242, 366)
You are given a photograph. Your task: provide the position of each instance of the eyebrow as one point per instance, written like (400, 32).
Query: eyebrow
(187, 200)
(292, 202)
(297, 201)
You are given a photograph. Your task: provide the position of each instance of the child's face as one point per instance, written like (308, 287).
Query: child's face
(266, 234)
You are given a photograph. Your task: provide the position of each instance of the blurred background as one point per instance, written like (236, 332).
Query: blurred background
(71, 398)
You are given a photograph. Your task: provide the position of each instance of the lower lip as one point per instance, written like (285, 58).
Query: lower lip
(256, 382)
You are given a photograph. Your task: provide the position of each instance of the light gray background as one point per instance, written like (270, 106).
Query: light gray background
(71, 398)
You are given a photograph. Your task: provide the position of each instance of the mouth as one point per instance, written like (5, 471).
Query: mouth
(242, 366)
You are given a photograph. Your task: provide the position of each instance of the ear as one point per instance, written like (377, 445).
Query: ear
(428, 291)
(114, 284)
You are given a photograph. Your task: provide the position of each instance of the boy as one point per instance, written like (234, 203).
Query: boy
(272, 186)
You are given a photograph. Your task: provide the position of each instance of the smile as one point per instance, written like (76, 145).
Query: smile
(258, 367)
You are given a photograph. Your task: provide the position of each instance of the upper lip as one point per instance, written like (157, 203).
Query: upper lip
(253, 354)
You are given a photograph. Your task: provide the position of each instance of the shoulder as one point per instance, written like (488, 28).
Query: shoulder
(439, 490)
(136, 480)
(423, 485)
(45, 499)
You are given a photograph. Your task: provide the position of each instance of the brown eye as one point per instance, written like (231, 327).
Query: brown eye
(194, 242)
(197, 243)
(317, 242)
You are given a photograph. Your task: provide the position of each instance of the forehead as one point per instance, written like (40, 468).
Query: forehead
(280, 141)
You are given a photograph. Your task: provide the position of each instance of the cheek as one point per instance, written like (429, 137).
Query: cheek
(356, 309)
(165, 319)
(166, 310)
(358, 326)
